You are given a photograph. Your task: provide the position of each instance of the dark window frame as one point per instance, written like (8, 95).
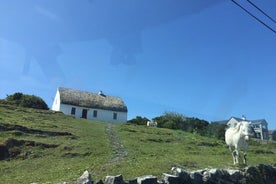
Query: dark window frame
(115, 116)
(95, 113)
(73, 111)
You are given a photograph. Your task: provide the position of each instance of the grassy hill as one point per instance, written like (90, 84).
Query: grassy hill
(42, 146)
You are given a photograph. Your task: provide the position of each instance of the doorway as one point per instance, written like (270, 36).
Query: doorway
(84, 113)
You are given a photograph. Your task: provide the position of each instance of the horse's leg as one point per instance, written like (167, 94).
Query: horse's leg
(237, 156)
(244, 158)
(245, 153)
(234, 156)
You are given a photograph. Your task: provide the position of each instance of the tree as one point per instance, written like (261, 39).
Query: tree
(196, 125)
(30, 101)
(216, 130)
(15, 98)
(139, 120)
(170, 120)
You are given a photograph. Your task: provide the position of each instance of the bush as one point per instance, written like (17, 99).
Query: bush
(23, 100)
(216, 130)
(139, 120)
(171, 120)
(197, 125)
(178, 121)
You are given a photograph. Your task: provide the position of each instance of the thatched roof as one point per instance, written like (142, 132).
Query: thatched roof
(91, 100)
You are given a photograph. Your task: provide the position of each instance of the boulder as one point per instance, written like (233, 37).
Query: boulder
(217, 176)
(253, 175)
(134, 181)
(147, 179)
(197, 177)
(268, 173)
(114, 179)
(184, 176)
(99, 182)
(236, 175)
(170, 179)
(85, 178)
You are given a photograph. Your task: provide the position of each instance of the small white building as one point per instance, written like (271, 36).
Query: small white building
(82, 104)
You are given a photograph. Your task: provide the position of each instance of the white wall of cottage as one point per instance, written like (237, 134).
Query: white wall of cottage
(102, 115)
(56, 102)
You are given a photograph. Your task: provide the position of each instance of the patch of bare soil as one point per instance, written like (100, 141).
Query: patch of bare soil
(119, 151)
(13, 148)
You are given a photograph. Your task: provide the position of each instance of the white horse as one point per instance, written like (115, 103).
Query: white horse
(237, 139)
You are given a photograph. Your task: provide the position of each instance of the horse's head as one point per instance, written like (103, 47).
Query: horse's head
(246, 129)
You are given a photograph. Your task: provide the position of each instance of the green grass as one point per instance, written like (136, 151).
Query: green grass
(150, 150)
(155, 150)
(87, 148)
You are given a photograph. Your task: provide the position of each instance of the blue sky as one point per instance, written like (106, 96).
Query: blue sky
(205, 59)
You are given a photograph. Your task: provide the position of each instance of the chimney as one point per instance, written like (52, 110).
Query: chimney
(100, 93)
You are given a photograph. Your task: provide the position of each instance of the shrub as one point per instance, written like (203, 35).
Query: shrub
(216, 130)
(30, 101)
(139, 120)
(170, 120)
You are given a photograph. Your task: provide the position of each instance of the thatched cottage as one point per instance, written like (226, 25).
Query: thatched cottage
(82, 104)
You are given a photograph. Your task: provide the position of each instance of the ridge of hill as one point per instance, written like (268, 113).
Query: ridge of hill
(46, 146)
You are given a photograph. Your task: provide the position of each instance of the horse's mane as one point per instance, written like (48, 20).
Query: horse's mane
(237, 127)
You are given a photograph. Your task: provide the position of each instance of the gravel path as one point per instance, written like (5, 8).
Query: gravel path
(119, 151)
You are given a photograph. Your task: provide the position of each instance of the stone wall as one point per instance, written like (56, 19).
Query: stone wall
(261, 174)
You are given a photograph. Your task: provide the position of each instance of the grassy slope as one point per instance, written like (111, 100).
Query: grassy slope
(155, 150)
(150, 150)
(87, 149)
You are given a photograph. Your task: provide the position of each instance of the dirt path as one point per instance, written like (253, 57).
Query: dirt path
(119, 151)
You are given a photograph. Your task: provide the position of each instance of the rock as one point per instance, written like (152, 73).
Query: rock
(147, 179)
(134, 181)
(184, 176)
(261, 174)
(216, 176)
(235, 175)
(268, 173)
(197, 176)
(85, 178)
(170, 179)
(114, 179)
(253, 175)
(99, 182)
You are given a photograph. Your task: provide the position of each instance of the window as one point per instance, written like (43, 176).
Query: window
(114, 115)
(95, 113)
(73, 111)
